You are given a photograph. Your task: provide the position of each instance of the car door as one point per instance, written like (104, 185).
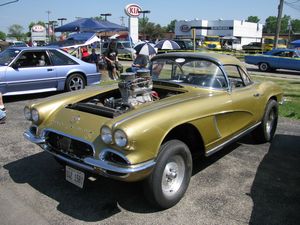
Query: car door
(286, 60)
(31, 72)
(244, 98)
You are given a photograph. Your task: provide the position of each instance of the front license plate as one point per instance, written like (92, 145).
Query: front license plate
(74, 176)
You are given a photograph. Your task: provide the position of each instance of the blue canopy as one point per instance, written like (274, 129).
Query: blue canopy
(296, 43)
(90, 25)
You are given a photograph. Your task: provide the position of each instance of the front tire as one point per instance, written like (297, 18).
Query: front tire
(266, 130)
(75, 82)
(264, 67)
(171, 176)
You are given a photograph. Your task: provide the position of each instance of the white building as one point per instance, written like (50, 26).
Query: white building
(244, 32)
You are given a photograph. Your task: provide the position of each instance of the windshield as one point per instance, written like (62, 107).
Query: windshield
(200, 72)
(7, 56)
(212, 39)
(126, 44)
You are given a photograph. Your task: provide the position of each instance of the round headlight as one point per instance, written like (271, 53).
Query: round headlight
(120, 138)
(35, 115)
(106, 135)
(27, 113)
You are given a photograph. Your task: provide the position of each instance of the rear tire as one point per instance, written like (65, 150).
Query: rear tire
(266, 130)
(75, 82)
(264, 67)
(171, 176)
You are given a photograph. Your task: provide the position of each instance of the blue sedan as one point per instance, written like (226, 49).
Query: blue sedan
(43, 69)
(276, 59)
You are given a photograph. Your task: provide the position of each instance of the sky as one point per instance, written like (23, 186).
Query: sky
(162, 12)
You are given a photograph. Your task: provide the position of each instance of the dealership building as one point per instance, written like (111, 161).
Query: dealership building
(240, 31)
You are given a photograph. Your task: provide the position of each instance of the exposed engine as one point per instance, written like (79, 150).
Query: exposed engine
(135, 89)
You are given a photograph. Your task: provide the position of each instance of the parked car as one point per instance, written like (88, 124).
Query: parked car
(185, 44)
(17, 44)
(276, 59)
(252, 47)
(152, 129)
(125, 49)
(32, 70)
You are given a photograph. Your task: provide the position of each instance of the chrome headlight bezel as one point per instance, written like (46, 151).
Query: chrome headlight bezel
(35, 115)
(27, 113)
(106, 134)
(120, 138)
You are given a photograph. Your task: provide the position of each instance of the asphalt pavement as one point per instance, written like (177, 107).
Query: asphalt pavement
(245, 183)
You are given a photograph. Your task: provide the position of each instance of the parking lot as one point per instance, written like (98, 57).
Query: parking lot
(244, 183)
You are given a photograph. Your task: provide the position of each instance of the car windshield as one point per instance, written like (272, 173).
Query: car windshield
(127, 44)
(7, 56)
(194, 72)
(212, 39)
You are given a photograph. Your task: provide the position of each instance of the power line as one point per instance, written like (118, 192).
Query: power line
(9, 2)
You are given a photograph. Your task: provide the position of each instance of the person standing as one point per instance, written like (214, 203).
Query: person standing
(2, 110)
(111, 58)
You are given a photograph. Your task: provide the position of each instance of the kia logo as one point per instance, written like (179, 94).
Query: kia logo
(185, 28)
(133, 10)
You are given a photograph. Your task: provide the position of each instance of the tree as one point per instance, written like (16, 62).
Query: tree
(2, 35)
(16, 31)
(295, 25)
(171, 26)
(150, 30)
(270, 24)
(253, 19)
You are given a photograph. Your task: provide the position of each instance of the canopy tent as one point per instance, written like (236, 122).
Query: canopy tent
(90, 25)
(296, 43)
(77, 40)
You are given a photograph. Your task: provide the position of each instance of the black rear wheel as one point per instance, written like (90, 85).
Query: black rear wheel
(266, 130)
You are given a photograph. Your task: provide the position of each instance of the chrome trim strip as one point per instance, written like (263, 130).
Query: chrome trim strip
(93, 165)
(118, 168)
(34, 139)
(30, 91)
(218, 148)
(216, 127)
(106, 150)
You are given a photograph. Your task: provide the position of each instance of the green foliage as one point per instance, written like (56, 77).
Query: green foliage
(2, 35)
(16, 31)
(171, 26)
(271, 21)
(295, 25)
(253, 19)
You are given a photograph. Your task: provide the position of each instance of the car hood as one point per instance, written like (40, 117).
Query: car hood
(87, 125)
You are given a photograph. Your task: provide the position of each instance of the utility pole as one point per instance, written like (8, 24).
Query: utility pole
(278, 24)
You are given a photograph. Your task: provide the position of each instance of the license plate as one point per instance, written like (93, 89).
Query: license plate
(74, 176)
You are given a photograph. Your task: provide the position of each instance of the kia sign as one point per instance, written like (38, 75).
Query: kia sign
(38, 28)
(133, 10)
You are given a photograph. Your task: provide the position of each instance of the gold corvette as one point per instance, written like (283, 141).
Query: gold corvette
(151, 125)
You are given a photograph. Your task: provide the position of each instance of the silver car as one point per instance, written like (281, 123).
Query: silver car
(42, 69)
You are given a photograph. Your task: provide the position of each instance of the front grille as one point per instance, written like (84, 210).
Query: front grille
(67, 146)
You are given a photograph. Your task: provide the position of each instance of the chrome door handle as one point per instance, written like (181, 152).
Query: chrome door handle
(256, 95)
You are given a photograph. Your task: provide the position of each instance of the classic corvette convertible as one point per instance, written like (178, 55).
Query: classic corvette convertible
(276, 59)
(154, 122)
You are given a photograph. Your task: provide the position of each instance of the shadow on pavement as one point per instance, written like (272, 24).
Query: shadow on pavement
(97, 201)
(276, 188)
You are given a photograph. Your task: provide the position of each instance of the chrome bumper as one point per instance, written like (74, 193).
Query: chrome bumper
(92, 164)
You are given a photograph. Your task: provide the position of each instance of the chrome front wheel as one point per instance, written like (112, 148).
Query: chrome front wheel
(171, 175)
